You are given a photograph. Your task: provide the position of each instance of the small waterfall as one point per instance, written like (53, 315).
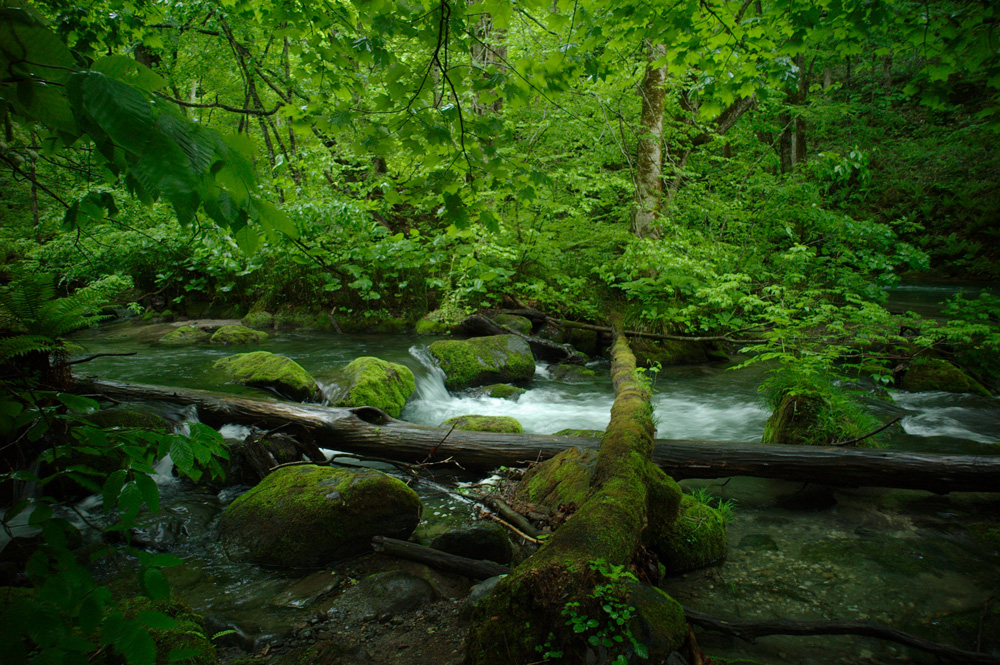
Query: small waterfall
(430, 386)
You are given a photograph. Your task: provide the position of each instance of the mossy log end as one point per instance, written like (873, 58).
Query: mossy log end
(528, 610)
(369, 431)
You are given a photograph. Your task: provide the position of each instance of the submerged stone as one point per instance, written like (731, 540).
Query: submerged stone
(233, 335)
(499, 391)
(572, 373)
(485, 424)
(482, 360)
(185, 335)
(261, 369)
(309, 516)
(927, 374)
(376, 382)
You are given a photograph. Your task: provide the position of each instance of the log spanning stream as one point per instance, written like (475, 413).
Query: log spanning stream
(924, 563)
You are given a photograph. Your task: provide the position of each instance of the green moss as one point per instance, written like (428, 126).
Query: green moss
(597, 433)
(127, 417)
(670, 352)
(588, 341)
(818, 417)
(441, 321)
(185, 335)
(188, 635)
(378, 383)
(310, 515)
(291, 318)
(561, 480)
(261, 369)
(518, 324)
(695, 539)
(484, 424)
(482, 360)
(926, 374)
(572, 373)
(660, 625)
(500, 391)
(259, 320)
(233, 335)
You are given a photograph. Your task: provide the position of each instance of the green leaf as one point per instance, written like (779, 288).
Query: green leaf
(149, 490)
(137, 646)
(78, 403)
(156, 620)
(181, 454)
(113, 488)
(129, 70)
(155, 583)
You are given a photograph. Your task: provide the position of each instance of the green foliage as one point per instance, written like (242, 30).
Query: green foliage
(724, 506)
(609, 632)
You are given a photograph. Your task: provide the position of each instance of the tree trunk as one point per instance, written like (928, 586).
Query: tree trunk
(648, 183)
(529, 608)
(369, 431)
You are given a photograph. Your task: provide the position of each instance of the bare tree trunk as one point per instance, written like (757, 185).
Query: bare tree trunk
(649, 185)
(488, 51)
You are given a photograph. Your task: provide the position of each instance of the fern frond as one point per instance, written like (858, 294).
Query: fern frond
(21, 345)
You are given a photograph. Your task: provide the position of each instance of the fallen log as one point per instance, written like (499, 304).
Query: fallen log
(477, 569)
(750, 630)
(369, 431)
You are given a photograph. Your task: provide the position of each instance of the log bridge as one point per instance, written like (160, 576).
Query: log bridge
(369, 431)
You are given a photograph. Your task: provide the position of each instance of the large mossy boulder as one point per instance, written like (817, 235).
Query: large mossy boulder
(375, 382)
(927, 374)
(475, 423)
(309, 516)
(185, 335)
(696, 538)
(261, 369)
(477, 541)
(479, 361)
(235, 335)
(442, 321)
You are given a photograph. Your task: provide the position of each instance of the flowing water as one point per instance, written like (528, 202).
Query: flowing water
(918, 562)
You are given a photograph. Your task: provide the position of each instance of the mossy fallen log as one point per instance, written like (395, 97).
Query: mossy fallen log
(369, 431)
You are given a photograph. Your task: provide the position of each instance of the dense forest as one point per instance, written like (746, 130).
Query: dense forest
(741, 180)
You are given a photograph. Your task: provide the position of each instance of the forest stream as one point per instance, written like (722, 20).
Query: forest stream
(918, 562)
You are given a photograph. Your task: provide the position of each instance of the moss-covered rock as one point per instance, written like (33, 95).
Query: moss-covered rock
(660, 624)
(482, 360)
(695, 539)
(262, 369)
(259, 320)
(479, 541)
(561, 480)
(129, 417)
(588, 341)
(499, 391)
(185, 335)
(572, 373)
(376, 382)
(939, 375)
(234, 335)
(292, 318)
(474, 423)
(307, 516)
(518, 324)
(795, 421)
(442, 321)
(594, 433)
(649, 352)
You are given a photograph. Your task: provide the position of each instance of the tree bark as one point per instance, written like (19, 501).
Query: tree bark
(648, 184)
(369, 431)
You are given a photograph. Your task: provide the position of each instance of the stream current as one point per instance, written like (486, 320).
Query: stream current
(918, 562)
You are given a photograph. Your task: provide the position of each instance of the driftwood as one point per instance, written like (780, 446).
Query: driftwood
(750, 630)
(474, 568)
(477, 324)
(369, 431)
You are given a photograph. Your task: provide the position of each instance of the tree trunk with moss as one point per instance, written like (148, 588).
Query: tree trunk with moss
(577, 573)
(648, 185)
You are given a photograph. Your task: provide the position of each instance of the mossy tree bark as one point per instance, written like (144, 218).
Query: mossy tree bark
(527, 612)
